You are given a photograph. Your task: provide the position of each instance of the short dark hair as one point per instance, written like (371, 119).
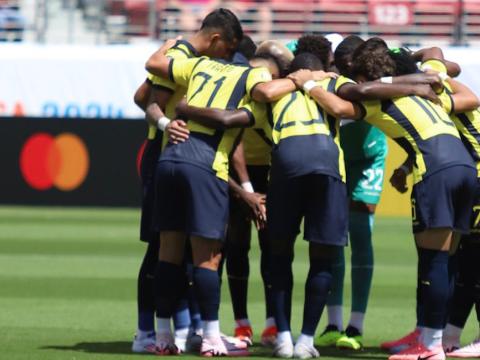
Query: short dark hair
(247, 47)
(317, 45)
(225, 21)
(372, 60)
(404, 61)
(306, 61)
(344, 52)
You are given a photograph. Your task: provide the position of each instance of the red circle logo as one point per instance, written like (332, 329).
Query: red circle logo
(61, 161)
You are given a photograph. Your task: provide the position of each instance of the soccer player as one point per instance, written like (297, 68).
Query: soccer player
(444, 178)
(160, 96)
(192, 184)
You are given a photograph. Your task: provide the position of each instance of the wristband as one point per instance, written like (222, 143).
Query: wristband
(248, 187)
(309, 85)
(387, 80)
(163, 122)
(443, 76)
(405, 169)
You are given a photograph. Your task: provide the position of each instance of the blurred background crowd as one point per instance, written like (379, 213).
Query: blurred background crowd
(407, 22)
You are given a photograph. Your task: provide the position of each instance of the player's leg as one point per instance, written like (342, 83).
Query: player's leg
(367, 176)
(441, 203)
(259, 178)
(238, 246)
(326, 225)
(145, 337)
(284, 214)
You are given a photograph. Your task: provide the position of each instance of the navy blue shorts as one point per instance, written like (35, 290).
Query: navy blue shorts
(474, 235)
(444, 200)
(148, 167)
(321, 199)
(191, 200)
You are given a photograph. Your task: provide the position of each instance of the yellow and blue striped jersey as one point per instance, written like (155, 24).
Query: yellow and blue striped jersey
(306, 139)
(181, 50)
(257, 140)
(217, 84)
(423, 129)
(467, 123)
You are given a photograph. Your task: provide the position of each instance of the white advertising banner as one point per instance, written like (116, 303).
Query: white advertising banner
(99, 81)
(71, 81)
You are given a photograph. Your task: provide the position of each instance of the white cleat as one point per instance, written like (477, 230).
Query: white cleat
(220, 346)
(283, 349)
(470, 351)
(165, 345)
(144, 345)
(303, 351)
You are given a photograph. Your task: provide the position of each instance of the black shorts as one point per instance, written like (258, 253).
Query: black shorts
(444, 200)
(191, 200)
(148, 167)
(321, 199)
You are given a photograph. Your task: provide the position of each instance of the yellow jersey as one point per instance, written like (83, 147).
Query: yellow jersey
(423, 129)
(181, 50)
(257, 140)
(216, 84)
(306, 139)
(467, 123)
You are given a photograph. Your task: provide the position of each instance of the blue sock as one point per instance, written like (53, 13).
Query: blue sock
(170, 283)
(146, 289)
(419, 298)
(360, 228)
(452, 276)
(181, 317)
(316, 293)
(282, 284)
(338, 274)
(434, 286)
(207, 290)
(194, 308)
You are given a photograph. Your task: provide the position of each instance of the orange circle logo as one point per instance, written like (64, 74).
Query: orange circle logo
(61, 162)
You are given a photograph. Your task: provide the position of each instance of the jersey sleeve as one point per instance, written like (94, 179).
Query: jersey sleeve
(251, 108)
(180, 70)
(435, 65)
(371, 110)
(342, 80)
(257, 76)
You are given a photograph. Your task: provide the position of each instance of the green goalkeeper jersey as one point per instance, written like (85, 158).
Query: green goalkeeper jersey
(361, 141)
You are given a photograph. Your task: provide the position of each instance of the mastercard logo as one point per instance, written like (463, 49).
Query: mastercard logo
(60, 161)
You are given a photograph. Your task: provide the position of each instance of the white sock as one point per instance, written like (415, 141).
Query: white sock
(356, 320)
(242, 322)
(163, 326)
(335, 316)
(431, 337)
(305, 339)
(144, 334)
(269, 322)
(181, 333)
(284, 336)
(451, 336)
(211, 328)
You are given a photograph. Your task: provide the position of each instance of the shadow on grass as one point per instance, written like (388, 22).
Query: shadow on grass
(366, 353)
(108, 347)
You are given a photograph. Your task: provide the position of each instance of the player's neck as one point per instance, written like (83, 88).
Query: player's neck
(198, 42)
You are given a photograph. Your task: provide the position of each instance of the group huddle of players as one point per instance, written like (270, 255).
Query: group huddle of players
(240, 133)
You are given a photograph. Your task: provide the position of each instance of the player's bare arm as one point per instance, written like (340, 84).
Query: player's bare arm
(142, 96)
(463, 98)
(436, 53)
(158, 63)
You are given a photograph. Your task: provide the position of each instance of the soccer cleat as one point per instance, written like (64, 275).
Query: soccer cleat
(220, 346)
(303, 351)
(329, 337)
(352, 339)
(145, 344)
(401, 344)
(165, 345)
(194, 343)
(283, 349)
(245, 334)
(420, 352)
(269, 336)
(469, 351)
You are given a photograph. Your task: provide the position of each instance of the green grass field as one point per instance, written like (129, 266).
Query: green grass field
(68, 282)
